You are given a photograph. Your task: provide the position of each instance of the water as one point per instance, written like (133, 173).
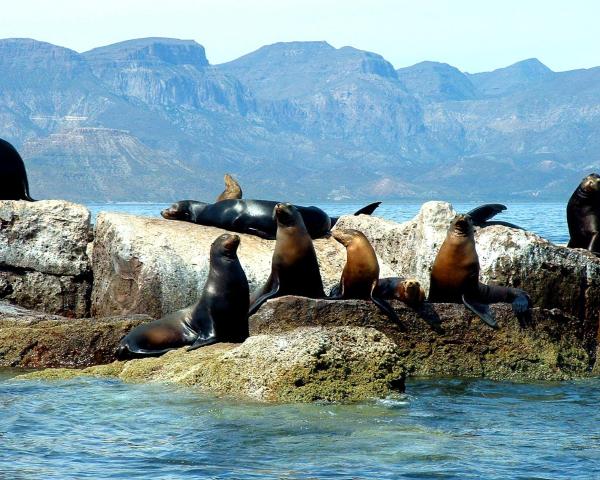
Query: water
(447, 428)
(443, 428)
(546, 219)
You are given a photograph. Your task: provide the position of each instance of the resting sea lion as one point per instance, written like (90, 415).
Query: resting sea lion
(13, 177)
(247, 216)
(294, 268)
(406, 290)
(361, 272)
(232, 189)
(583, 215)
(455, 276)
(221, 314)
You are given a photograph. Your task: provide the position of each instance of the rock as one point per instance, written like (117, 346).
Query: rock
(156, 266)
(554, 276)
(43, 256)
(48, 236)
(341, 364)
(35, 340)
(60, 295)
(447, 339)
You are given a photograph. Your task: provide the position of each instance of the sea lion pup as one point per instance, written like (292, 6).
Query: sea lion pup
(455, 277)
(294, 268)
(482, 216)
(254, 217)
(13, 177)
(219, 316)
(583, 215)
(361, 272)
(232, 189)
(407, 290)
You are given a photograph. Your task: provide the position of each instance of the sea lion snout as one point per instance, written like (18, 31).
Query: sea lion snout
(228, 242)
(284, 213)
(344, 235)
(591, 183)
(462, 223)
(173, 212)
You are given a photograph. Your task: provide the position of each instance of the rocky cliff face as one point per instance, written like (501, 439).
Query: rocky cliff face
(292, 110)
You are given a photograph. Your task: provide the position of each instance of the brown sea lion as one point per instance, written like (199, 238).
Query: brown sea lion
(221, 314)
(407, 290)
(294, 268)
(583, 215)
(13, 177)
(232, 190)
(455, 276)
(361, 272)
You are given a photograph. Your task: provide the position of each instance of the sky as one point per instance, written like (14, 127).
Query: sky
(472, 35)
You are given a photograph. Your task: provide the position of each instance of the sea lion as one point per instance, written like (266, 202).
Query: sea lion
(219, 316)
(455, 276)
(482, 216)
(254, 217)
(232, 190)
(13, 177)
(294, 268)
(407, 290)
(583, 215)
(361, 272)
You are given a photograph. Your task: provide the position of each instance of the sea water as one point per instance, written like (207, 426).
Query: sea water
(442, 428)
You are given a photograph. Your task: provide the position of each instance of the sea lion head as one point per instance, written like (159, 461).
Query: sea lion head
(287, 215)
(183, 210)
(225, 245)
(411, 292)
(462, 225)
(346, 235)
(591, 184)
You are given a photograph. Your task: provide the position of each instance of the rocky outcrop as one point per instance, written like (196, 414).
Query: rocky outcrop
(554, 276)
(156, 266)
(43, 256)
(304, 365)
(447, 339)
(35, 340)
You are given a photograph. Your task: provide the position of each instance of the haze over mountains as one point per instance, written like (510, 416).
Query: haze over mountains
(153, 120)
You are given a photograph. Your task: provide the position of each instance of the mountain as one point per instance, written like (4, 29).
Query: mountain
(152, 120)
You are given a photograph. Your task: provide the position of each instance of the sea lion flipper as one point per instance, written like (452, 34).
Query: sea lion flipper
(482, 310)
(483, 213)
(367, 209)
(263, 298)
(260, 233)
(386, 308)
(521, 306)
(202, 342)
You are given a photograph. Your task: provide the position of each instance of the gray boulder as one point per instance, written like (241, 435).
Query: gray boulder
(156, 266)
(43, 256)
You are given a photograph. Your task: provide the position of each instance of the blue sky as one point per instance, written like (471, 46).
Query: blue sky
(471, 35)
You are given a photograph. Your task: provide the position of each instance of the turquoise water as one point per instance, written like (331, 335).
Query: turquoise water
(546, 219)
(448, 428)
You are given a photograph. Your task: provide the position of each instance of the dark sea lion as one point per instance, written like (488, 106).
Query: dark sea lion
(254, 217)
(407, 290)
(482, 216)
(361, 272)
(583, 215)
(294, 268)
(232, 190)
(13, 177)
(455, 276)
(221, 314)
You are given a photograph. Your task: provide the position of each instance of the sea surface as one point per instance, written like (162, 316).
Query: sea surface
(442, 428)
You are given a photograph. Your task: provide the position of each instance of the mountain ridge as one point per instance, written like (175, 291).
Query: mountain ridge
(152, 119)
